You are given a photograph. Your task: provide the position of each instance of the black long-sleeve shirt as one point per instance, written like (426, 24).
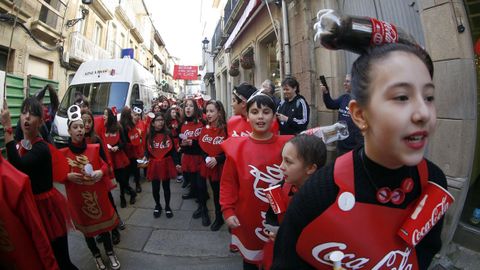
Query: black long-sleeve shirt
(298, 114)
(320, 192)
(36, 163)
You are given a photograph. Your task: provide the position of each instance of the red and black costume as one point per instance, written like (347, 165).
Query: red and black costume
(51, 204)
(210, 140)
(251, 166)
(238, 126)
(315, 225)
(191, 155)
(134, 150)
(24, 243)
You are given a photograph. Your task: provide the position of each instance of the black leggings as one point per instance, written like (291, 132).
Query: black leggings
(60, 250)
(249, 266)
(216, 195)
(122, 178)
(166, 192)
(107, 244)
(133, 169)
(202, 192)
(193, 179)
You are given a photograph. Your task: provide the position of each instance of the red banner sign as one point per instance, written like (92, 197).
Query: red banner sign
(185, 73)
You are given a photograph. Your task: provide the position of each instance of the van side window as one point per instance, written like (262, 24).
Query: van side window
(135, 94)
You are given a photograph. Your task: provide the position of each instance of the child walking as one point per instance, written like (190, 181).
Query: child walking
(212, 136)
(252, 164)
(134, 144)
(87, 192)
(161, 166)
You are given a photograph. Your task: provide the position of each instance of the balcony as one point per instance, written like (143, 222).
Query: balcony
(26, 12)
(135, 31)
(126, 15)
(81, 49)
(50, 21)
(105, 8)
(231, 12)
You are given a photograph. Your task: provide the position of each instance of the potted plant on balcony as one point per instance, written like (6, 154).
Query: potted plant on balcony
(233, 70)
(246, 61)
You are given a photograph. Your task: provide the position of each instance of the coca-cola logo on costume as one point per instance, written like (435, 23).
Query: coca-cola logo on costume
(161, 145)
(134, 136)
(395, 259)
(90, 206)
(191, 133)
(242, 134)
(437, 213)
(271, 177)
(213, 140)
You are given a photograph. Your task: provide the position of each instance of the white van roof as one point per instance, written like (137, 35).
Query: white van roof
(112, 70)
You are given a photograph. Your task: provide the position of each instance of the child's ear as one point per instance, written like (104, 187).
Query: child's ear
(311, 169)
(358, 115)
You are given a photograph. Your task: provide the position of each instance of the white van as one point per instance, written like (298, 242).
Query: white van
(105, 83)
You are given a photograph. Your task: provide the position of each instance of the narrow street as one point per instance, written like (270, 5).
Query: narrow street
(177, 243)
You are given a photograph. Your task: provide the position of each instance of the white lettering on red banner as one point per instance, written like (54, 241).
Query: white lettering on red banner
(213, 140)
(437, 213)
(161, 145)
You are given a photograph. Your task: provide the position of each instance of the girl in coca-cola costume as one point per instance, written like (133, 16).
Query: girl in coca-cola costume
(34, 158)
(162, 158)
(132, 131)
(189, 148)
(92, 138)
(173, 120)
(252, 164)
(87, 190)
(213, 134)
(114, 139)
(301, 157)
(358, 204)
(23, 234)
(238, 125)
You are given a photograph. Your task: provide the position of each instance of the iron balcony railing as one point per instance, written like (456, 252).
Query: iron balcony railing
(83, 49)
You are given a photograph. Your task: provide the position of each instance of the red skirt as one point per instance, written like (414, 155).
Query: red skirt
(134, 151)
(268, 254)
(53, 209)
(191, 163)
(119, 159)
(162, 170)
(213, 174)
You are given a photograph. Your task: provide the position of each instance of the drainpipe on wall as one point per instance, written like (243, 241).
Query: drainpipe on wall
(286, 40)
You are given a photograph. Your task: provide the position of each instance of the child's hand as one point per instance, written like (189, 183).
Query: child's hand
(97, 175)
(233, 222)
(5, 115)
(179, 168)
(75, 177)
(211, 163)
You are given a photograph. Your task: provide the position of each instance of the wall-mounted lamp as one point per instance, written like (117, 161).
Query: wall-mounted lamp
(72, 22)
(205, 42)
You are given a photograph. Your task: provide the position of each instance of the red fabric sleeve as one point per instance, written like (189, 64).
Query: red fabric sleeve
(28, 214)
(229, 188)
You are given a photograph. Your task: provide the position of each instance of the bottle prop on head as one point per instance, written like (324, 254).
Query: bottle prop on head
(330, 134)
(354, 33)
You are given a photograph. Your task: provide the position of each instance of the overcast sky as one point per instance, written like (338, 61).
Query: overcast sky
(180, 24)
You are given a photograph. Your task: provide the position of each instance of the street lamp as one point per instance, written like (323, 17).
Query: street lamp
(205, 42)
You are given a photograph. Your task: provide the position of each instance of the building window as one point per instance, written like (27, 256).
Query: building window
(122, 40)
(49, 13)
(6, 65)
(97, 38)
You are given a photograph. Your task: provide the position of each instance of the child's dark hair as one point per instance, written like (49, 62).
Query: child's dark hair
(52, 95)
(310, 149)
(168, 116)
(33, 106)
(197, 113)
(112, 125)
(126, 119)
(221, 120)
(362, 67)
(152, 131)
(292, 82)
(260, 100)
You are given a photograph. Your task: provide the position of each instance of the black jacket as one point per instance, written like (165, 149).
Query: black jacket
(298, 114)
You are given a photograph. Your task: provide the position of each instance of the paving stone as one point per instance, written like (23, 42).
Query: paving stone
(134, 237)
(144, 218)
(189, 243)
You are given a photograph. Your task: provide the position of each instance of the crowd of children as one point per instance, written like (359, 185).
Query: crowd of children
(338, 207)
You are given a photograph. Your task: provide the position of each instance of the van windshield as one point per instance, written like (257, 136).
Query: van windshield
(99, 95)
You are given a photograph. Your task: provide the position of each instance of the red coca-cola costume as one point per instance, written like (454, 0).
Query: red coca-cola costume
(251, 166)
(134, 148)
(337, 209)
(237, 126)
(191, 158)
(90, 207)
(119, 158)
(174, 130)
(161, 166)
(24, 244)
(111, 183)
(210, 141)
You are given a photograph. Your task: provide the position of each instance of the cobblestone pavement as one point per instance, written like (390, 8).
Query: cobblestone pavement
(177, 243)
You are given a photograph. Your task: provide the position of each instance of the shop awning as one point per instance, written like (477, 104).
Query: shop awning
(252, 5)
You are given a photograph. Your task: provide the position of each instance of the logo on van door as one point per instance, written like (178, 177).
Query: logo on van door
(96, 72)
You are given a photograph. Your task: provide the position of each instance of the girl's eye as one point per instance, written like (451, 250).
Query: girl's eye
(401, 98)
(430, 98)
